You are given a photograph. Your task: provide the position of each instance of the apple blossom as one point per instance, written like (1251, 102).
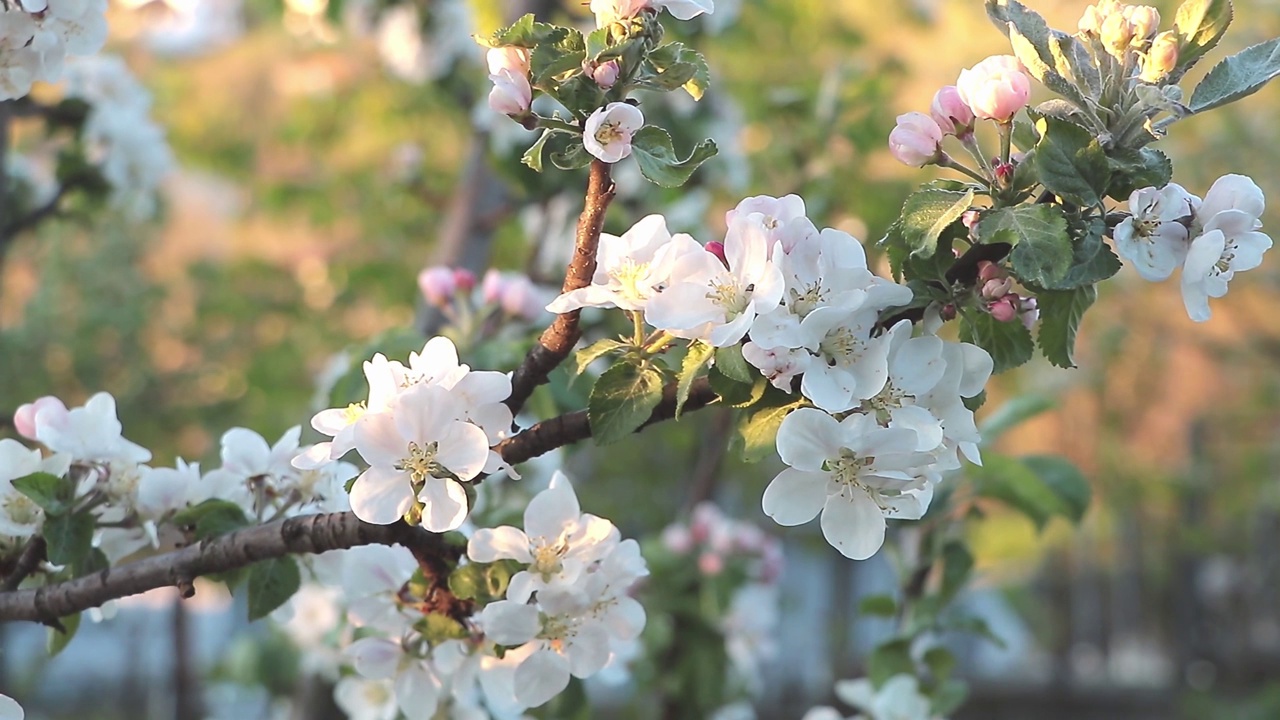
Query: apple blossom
(1144, 20)
(916, 140)
(363, 699)
(853, 472)
(91, 433)
(898, 698)
(1154, 236)
(607, 133)
(438, 284)
(630, 269)
(20, 516)
(951, 113)
(24, 418)
(709, 300)
(784, 219)
(1228, 220)
(995, 89)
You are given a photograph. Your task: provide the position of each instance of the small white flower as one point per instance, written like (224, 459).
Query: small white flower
(363, 699)
(91, 433)
(607, 133)
(1229, 243)
(1152, 238)
(20, 516)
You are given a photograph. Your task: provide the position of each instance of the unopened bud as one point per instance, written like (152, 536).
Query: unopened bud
(1005, 309)
(438, 284)
(717, 248)
(464, 279)
(951, 113)
(710, 564)
(1161, 58)
(606, 74)
(916, 140)
(491, 287)
(1144, 21)
(24, 418)
(1004, 173)
(996, 288)
(1117, 34)
(988, 271)
(948, 312)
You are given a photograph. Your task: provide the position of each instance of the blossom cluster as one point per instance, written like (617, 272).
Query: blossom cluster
(1210, 239)
(889, 413)
(119, 136)
(37, 35)
(565, 612)
(456, 293)
(423, 430)
(134, 504)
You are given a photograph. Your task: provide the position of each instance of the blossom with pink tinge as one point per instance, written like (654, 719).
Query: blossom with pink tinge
(1005, 309)
(995, 89)
(438, 285)
(915, 140)
(24, 419)
(608, 132)
(951, 113)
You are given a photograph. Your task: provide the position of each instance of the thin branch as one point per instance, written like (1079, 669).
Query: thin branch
(558, 339)
(311, 534)
(37, 215)
(30, 558)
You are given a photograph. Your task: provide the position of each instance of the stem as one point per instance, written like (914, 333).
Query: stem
(557, 124)
(1006, 139)
(970, 143)
(637, 325)
(558, 339)
(949, 162)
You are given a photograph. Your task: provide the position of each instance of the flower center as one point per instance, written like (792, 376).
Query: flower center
(628, 275)
(546, 559)
(885, 402)
(847, 471)
(610, 132)
(21, 509)
(354, 412)
(422, 462)
(841, 346)
(808, 299)
(731, 296)
(375, 694)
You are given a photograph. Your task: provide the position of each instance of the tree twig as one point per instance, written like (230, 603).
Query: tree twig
(558, 339)
(31, 556)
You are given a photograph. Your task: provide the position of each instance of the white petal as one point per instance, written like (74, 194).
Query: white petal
(795, 496)
(588, 650)
(552, 512)
(444, 504)
(10, 709)
(853, 524)
(500, 543)
(381, 496)
(807, 438)
(509, 623)
(375, 658)
(418, 692)
(542, 676)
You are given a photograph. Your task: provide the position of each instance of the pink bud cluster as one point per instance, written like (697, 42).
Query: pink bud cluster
(995, 288)
(509, 71)
(451, 290)
(718, 541)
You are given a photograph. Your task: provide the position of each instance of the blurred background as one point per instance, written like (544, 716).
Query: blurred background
(325, 154)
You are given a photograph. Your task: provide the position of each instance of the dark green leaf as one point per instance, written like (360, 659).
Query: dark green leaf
(957, 563)
(878, 606)
(733, 393)
(1037, 57)
(1015, 484)
(271, 584)
(1012, 413)
(1065, 481)
(656, 156)
(52, 493)
(1042, 248)
(69, 538)
(1092, 260)
(700, 353)
(525, 32)
(561, 51)
(889, 659)
(567, 151)
(925, 215)
(212, 518)
(1238, 76)
(1060, 314)
(622, 400)
(1135, 169)
(940, 661)
(688, 68)
(1009, 343)
(1070, 162)
(533, 156)
(1200, 24)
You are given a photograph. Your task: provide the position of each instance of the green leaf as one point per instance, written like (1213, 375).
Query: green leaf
(468, 581)
(525, 32)
(977, 626)
(1037, 57)
(1060, 314)
(732, 364)
(688, 69)
(593, 352)
(700, 353)
(212, 518)
(1042, 249)
(567, 151)
(1072, 60)
(957, 564)
(1238, 76)
(878, 606)
(736, 394)
(940, 661)
(1070, 162)
(69, 538)
(52, 493)
(1092, 260)
(1012, 413)
(58, 641)
(925, 215)
(948, 697)
(1200, 24)
(271, 584)
(1065, 480)
(622, 400)
(561, 51)
(758, 430)
(889, 659)
(656, 156)
(1009, 343)
(597, 41)
(1018, 486)
(1134, 169)
(533, 156)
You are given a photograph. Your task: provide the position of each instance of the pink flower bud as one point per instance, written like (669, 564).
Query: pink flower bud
(437, 285)
(715, 247)
(1004, 173)
(677, 539)
(988, 270)
(491, 287)
(950, 112)
(996, 288)
(605, 74)
(995, 89)
(710, 564)
(520, 298)
(464, 279)
(1144, 20)
(706, 516)
(1116, 34)
(1004, 309)
(1161, 58)
(970, 219)
(1029, 311)
(948, 312)
(916, 139)
(24, 419)
(511, 93)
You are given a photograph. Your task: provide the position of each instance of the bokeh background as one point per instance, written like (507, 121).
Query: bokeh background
(322, 164)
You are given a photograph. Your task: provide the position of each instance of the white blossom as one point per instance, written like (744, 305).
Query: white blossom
(1153, 238)
(630, 269)
(607, 133)
(1229, 242)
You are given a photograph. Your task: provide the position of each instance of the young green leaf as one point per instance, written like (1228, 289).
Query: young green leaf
(889, 659)
(561, 51)
(593, 352)
(1042, 248)
(69, 537)
(699, 354)
(271, 584)
(1238, 76)
(1009, 343)
(622, 400)
(656, 156)
(758, 429)
(730, 362)
(1200, 24)
(58, 640)
(1060, 314)
(925, 215)
(53, 494)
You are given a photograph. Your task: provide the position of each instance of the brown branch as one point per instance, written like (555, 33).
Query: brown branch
(558, 339)
(31, 556)
(310, 534)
